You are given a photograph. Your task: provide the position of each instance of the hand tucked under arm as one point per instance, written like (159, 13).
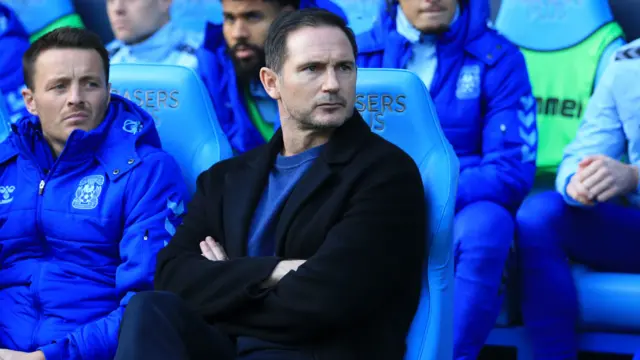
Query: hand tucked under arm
(18, 355)
(282, 269)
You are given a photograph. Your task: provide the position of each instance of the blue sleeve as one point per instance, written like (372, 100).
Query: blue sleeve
(600, 132)
(154, 205)
(607, 57)
(506, 170)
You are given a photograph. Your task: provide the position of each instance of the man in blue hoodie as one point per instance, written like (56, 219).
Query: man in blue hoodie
(14, 41)
(479, 84)
(230, 60)
(87, 199)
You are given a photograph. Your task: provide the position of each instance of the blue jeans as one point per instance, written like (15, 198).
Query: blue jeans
(483, 233)
(604, 237)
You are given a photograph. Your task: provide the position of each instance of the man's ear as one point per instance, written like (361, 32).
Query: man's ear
(29, 101)
(269, 80)
(108, 93)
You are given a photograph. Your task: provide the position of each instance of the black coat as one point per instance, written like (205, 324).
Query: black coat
(357, 216)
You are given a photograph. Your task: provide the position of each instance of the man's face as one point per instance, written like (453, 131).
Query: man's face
(317, 83)
(429, 16)
(245, 27)
(69, 92)
(135, 20)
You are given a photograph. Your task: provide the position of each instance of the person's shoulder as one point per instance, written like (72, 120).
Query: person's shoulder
(493, 49)
(189, 41)
(383, 153)
(114, 47)
(219, 170)
(370, 41)
(630, 51)
(155, 160)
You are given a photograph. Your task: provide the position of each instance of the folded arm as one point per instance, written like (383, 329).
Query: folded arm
(211, 288)
(375, 250)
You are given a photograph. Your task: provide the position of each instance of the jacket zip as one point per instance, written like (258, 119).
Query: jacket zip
(35, 282)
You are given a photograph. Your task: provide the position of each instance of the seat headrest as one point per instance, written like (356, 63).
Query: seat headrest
(182, 109)
(35, 15)
(551, 25)
(361, 14)
(193, 15)
(397, 106)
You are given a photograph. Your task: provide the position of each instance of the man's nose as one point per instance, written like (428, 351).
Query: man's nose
(240, 30)
(331, 83)
(75, 96)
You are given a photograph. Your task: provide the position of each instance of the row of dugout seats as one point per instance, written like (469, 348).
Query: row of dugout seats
(567, 45)
(552, 42)
(189, 131)
(360, 13)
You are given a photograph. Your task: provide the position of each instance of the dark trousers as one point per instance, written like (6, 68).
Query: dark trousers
(603, 237)
(158, 325)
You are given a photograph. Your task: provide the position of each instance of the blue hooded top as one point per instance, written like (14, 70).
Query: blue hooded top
(482, 94)
(79, 234)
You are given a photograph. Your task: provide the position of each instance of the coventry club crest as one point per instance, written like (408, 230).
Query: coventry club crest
(6, 193)
(88, 192)
(468, 86)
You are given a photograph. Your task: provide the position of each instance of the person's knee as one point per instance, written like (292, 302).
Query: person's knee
(487, 223)
(152, 300)
(537, 217)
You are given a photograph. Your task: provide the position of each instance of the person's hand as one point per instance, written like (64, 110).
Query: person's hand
(212, 250)
(282, 269)
(6, 354)
(578, 192)
(605, 178)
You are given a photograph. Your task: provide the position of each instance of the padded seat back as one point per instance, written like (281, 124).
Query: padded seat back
(567, 45)
(40, 17)
(397, 106)
(184, 116)
(550, 25)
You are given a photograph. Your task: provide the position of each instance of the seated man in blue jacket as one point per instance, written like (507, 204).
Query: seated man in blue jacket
(14, 41)
(87, 200)
(231, 58)
(144, 33)
(593, 218)
(481, 90)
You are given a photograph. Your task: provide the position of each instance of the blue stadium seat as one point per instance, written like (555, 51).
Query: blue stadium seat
(193, 15)
(551, 25)
(397, 106)
(40, 17)
(361, 14)
(177, 99)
